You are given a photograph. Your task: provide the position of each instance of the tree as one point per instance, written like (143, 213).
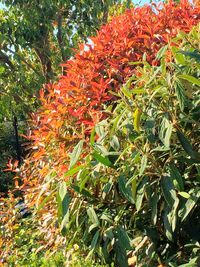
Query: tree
(36, 37)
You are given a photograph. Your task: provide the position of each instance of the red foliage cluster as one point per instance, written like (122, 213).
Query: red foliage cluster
(77, 99)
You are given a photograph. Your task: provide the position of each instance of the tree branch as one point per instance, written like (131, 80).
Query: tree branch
(23, 60)
(4, 58)
(59, 36)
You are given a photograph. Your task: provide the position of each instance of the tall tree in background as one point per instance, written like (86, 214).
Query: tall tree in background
(36, 36)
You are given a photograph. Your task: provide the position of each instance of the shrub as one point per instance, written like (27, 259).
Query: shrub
(135, 195)
(116, 158)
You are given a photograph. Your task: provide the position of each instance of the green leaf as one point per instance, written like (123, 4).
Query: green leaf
(2, 69)
(165, 131)
(63, 200)
(125, 189)
(176, 177)
(161, 52)
(92, 137)
(83, 191)
(186, 145)
(72, 171)
(121, 256)
(92, 216)
(143, 165)
(137, 91)
(173, 214)
(115, 143)
(140, 193)
(184, 194)
(178, 56)
(180, 93)
(126, 91)
(94, 243)
(168, 190)
(190, 204)
(102, 159)
(190, 78)
(136, 122)
(154, 208)
(123, 238)
(76, 154)
(191, 263)
(93, 226)
(106, 189)
(195, 54)
(168, 229)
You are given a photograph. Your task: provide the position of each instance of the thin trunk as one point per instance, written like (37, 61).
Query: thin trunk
(18, 147)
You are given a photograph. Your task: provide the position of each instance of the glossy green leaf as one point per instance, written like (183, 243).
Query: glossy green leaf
(74, 170)
(136, 122)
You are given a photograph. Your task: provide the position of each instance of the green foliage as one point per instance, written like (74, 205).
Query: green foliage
(138, 190)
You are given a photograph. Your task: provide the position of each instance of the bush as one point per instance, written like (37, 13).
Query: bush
(135, 195)
(116, 164)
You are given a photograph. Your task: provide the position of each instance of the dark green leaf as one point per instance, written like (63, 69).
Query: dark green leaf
(186, 145)
(121, 257)
(94, 243)
(123, 238)
(168, 190)
(125, 189)
(83, 192)
(176, 177)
